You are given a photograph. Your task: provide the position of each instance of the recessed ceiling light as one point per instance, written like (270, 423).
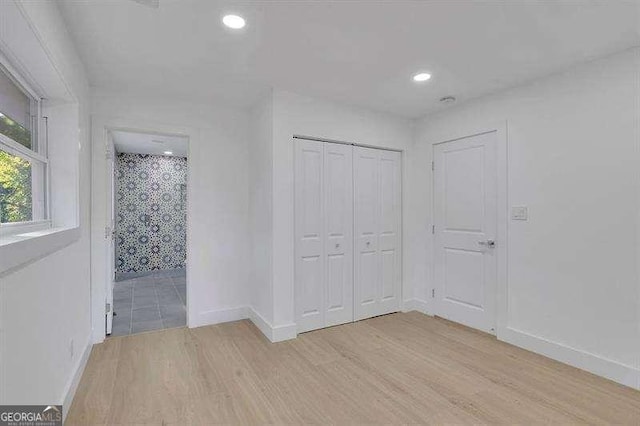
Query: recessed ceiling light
(234, 21)
(422, 76)
(168, 153)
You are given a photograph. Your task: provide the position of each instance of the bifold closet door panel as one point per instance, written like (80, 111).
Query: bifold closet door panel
(309, 233)
(389, 232)
(377, 185)
(324, 234)
(338, 214)
(365, 175)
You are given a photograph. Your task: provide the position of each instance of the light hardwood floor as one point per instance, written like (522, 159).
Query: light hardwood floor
(400, 368)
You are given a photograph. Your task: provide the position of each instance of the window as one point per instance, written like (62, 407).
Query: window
(23, 159)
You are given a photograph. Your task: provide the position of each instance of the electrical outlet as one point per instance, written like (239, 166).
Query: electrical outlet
(71, 349)
(519, 213)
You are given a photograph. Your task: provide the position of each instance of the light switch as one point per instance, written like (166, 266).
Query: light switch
(519, 213)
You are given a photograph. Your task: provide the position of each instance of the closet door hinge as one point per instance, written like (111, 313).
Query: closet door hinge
(433, 292)
(433, 229)
(433, 166)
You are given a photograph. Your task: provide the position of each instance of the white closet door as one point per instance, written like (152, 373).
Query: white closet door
(309, 233)
(324, 234)
(338, 213)
(377, 182)
(389, 232)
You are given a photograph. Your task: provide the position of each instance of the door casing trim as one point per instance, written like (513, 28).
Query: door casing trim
(100, 126)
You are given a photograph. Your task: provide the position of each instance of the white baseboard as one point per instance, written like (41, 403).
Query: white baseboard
(221, 315)
(603, 367)
(274, 334)
(74, 381)
(281, 333)
(416, 305)
(262, 324)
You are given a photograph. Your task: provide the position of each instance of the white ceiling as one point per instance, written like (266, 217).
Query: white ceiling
(358, 52)
(145, 143)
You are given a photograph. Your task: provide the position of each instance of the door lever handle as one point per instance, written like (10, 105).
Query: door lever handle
(488, 243)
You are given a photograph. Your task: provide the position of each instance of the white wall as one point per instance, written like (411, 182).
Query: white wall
(573, 159)
(218, 196)
(299, 115)
(261, 215)
(44, 305)
(63, 119)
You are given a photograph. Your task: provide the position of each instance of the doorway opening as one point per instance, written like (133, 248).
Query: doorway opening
(148, 250)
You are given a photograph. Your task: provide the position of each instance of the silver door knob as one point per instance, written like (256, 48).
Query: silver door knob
(488, 243)
(337, 245)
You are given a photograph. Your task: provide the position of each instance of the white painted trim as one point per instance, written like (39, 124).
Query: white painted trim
(417, 305)
(280, 333)
(613, 370)
(502, 210)
(19, 250)
(17, 74)
(258, 320)
(16, 149)
(273, 334)
(47, 50)
(15, 228)
(220, 316)
(74, 380)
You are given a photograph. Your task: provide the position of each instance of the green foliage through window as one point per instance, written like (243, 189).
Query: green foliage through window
(15, 131)
(15, 189)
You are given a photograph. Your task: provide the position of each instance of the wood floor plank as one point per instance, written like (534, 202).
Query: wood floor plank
(399, 368)
(531, 380)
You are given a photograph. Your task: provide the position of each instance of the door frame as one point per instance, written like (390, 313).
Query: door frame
(110, 157)
(100, 178)
(502, 213)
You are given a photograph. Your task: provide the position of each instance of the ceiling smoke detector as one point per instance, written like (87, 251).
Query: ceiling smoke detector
(447, 100)
(149, 3)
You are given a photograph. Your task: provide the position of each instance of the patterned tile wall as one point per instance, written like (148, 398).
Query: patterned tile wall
(150, 212)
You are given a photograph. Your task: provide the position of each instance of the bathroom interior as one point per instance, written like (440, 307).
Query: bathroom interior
(150, 215)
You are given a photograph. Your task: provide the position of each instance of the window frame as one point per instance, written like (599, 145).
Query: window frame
(36, 155)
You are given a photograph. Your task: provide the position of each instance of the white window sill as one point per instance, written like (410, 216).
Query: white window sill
(20, 249)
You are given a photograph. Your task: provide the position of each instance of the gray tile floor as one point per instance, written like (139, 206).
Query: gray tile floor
(150, 302)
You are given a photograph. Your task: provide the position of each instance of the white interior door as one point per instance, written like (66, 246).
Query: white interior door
(110, 233)
(377, 186)
(324, 234)
(465, 231)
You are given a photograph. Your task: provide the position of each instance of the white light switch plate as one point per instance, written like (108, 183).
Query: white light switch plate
(519, 213)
